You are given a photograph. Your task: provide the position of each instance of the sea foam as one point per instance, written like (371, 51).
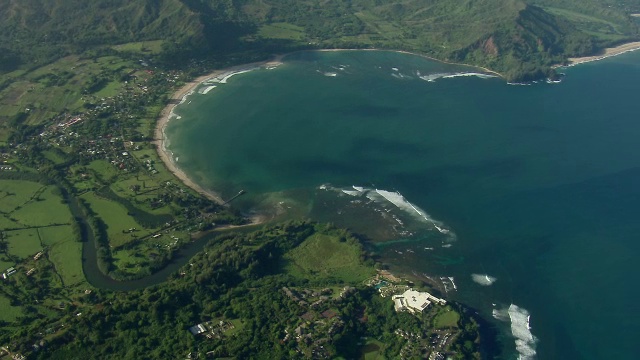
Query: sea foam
(483, 279)
(436, 76)
(395, 198)
(520, 329)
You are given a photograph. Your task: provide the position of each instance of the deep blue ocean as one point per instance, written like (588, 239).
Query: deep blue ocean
(522, 201)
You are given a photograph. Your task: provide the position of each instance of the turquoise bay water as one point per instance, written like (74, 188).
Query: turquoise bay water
(538, 183)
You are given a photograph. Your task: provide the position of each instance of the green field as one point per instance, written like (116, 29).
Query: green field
(142, 47)
(23, 243)
(115, 217)
(57, 87)
(446, 318)
(56, 234)
(46, 209)
(103, 169)
(14, 193)
(326, 257)
(284, 31)
(5, 263)
(129, 261)
(9, 313)
(67, 259)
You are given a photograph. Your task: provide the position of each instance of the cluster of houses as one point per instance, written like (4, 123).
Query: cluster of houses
(10, 271)
(212, 329)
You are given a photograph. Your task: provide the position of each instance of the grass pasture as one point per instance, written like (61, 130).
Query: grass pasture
(14, 193)
(129, 261)
(56, 87)
(592, 25)
(23, 243)
(9, 313)
(141, 47)
(115, 217)
(103, 169)
(67, 259)
(5, 262)
(326, 257)
(56, 234)
(282, 31)
(46, 209)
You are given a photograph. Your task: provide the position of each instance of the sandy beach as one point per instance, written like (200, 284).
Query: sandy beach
(178, 97)
(621, 49)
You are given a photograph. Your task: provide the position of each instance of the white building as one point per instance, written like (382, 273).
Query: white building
(415, 301)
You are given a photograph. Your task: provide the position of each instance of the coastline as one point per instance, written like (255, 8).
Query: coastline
(179, 97)
(608, 52)
(417, 54)
(167, 114)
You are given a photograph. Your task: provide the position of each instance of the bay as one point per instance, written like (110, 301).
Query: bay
(537, 185)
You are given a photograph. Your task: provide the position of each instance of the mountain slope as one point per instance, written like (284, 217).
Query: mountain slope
(513, 37)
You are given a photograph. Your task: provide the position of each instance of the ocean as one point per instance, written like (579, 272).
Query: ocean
(521, 201)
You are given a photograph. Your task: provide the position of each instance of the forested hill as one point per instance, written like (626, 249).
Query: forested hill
(517, 38)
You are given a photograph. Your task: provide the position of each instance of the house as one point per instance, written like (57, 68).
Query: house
(197, 329)
(10, 271)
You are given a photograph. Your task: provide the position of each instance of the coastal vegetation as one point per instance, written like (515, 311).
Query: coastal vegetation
(249, 306)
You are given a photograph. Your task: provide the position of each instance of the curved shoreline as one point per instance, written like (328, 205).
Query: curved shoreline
(179, 97)
(608, 52)
(417, 54)
(167, 113)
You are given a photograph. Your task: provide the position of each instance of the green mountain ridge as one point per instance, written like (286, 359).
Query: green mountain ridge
(520, 39)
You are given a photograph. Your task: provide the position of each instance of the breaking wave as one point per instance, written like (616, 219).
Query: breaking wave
(520, 329)
(436, 76)
(483, 279)
(396, 199)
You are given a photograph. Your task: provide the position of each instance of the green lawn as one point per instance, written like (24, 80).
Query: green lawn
(130, 261)
(23, 243)
(447, 317)
(7, 223)
(284, 31)
(9, 313)
(53, 156)
(115, 217)
(326, 257)
(111, 89)
(14, 193)
(5, 263)
(56, 234)
(142, 47)
(67, 258)
(103, 169)
(372, 350)
(46, 209)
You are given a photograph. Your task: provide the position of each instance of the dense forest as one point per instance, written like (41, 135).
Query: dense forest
(520, 39)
